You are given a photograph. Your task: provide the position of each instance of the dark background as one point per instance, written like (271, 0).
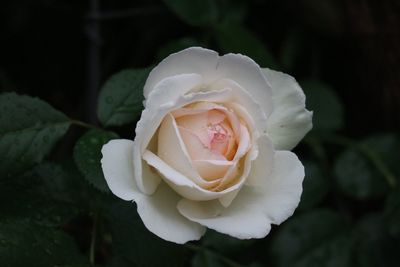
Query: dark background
(346, 56)
(354, 46)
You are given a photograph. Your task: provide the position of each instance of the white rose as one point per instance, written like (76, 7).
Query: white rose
(211, 148)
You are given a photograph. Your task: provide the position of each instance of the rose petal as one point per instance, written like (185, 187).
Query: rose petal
(196, 149)
(241, 98)
(150, 120)
(290, 120)
(212, 169)
(240, 221)
(160, 215)
(243, 148)
(192, 60)
(265, 161)
(118, 168)
(211, 67)
(248, 74)
(181, 184)
(170, 88)
(250, 214)
(172, 150)
(196, 124)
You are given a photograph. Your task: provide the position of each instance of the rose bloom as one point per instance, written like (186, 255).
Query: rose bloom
(212, 148)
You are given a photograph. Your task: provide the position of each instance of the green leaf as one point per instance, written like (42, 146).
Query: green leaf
(318, 238)
(175, 46)
(234, 38)
(386, 147)
(87, 155)
(327, 107)
(29, 128)
(194, 12)
(206, 258)
(121, 98)
(135, 243)
(225, 243)
(356, 177)
(57, 183)
(23, 243)
(374, 247)
(26, 197)
(392, 213)
(315, 186)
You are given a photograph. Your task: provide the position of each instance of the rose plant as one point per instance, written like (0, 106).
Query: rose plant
(212, 148)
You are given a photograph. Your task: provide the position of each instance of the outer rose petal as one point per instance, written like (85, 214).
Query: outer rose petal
(192, 60)
(290, 120)
(118, 168)
(254, 208)
(239, 68)
(158, 211)
(160, 215)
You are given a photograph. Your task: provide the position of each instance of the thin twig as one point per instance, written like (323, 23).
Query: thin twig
(92, 253)
(84, 124)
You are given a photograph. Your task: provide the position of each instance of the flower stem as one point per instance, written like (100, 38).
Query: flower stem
(92, 252)
(84, 124)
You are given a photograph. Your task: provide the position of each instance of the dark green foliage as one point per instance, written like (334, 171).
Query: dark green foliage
(374, 246)
(234, 38)
(25, 244)
(315, 186)
(55, 206)
(137, 245)
(356, 177)
(29, 128)
(318, 238)
(87, 155)
(195, 12)
(207, 259)
(323, 99)
(120, 100)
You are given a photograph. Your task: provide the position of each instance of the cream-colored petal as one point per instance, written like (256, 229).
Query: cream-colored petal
(192, 60)
(254, 208)
(172, 150)
(118, 168)
(242, 99)
(240, 220)
(263, 165)
(160, 215)
(212, 169)
(196, 149)
(150, 120)
(290, 120)
(182, 185)
(170, 88)
(248, 74)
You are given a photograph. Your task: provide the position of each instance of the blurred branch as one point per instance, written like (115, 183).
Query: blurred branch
(93, 61)
(121, 14)
(92, 252)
